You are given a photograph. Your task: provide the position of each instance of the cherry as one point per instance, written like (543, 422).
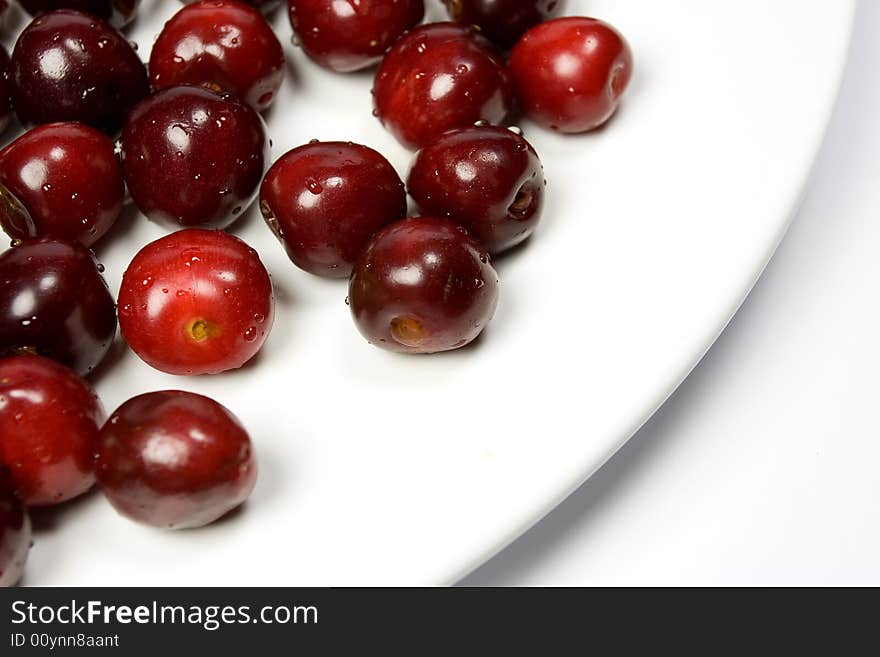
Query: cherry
(348, 36)
(70, 66)
(5, 105)
(49, 422)
(60, 180)
(116, 12)
(175, 459)
(224, 45)
(192, 157)
(439, 77)
(265, 6)
(570, 73)
(487, 179)
(54, 301)
(196, 302)
(325, 200)
(15, 533)
(502, 21)
(422, 286)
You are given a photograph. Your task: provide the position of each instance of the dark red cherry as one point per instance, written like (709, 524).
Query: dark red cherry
(175, 459)
(265, 6)
(325, 199)
(224, 45)
(116, 12)
(422, 285)
(15, 533)
(502, 21)
(70, 66)
(192, 157)
(440, 77)
(54, 301)
(196, 302)
(49, 422)
(5, 105)
(487, 179)
(570, 73)
(60, 180)
(348, 35)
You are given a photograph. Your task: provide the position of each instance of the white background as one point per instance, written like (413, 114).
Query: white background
(764, 467)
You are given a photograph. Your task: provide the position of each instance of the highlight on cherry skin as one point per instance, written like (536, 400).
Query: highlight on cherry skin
(49, 422)
(15, 532)
(324, 200)
(174, 459)
(55, 302)
(196, 302)
(421, 286)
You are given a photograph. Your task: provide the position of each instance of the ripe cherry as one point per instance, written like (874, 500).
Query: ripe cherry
(325, 200)
(5, 105)
(422, 286)
(70, 66)
(175, 459)
(265, 6)
(196, 302)
(348, 36)
(439, 77)
(192, 157)
(571, 72)
(54, 301)
(487, 179)
(223, 45)
(502, 21)
(116, 12)
(60, 180)
(49, 422)
(15, 533)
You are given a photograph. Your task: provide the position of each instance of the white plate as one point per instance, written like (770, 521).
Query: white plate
(381, 469)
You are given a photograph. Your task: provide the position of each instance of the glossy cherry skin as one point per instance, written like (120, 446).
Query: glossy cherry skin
(192, 157)
(570, 73)
(440, 77)
(224, 45)
(502, 21)
(487, 179)
(49, 422)
(5, 105)
(350, 35)
(60, 180)
(196, 302)
(116, 12)
(422, 285)
(54, 302)
(174, 459)
(325, 199)
(69, 66)
(15, 532)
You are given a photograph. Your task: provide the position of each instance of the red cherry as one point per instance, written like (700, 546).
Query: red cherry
(440, 77)
(116, 12)
(15, 533)
(5, 91)
(570, 73)
(224, 45)
(422, 286)
(487, 179)
(174, 459)
(502, 21)
(196, 302)
(60, 180)
(347, 36)
(265, 6)
(70, 66)
(325, 200)
(54, 301)
(49, 422)
(193, 158)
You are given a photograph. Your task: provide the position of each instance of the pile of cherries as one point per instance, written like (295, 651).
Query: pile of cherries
(193, 154)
